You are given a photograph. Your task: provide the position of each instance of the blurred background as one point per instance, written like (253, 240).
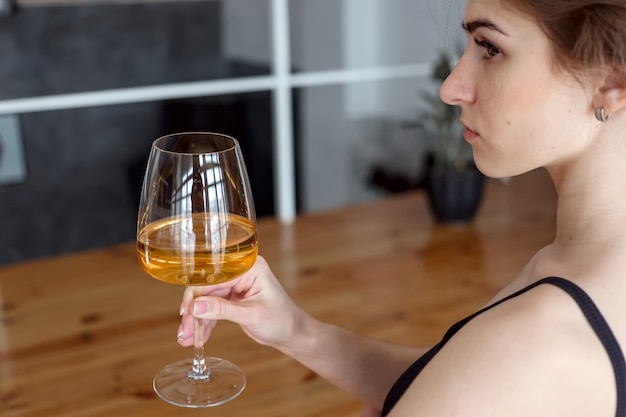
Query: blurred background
(86, 86)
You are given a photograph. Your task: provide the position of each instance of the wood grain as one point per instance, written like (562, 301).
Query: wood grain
(84, 334)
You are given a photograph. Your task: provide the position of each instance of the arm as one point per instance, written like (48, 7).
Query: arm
(363, 367)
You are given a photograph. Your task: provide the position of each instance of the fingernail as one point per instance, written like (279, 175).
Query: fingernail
(180, 335)
(200, 307)
(182, 310)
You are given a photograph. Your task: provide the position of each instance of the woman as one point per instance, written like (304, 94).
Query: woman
(542, 83)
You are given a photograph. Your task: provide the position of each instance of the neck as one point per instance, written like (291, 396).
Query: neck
(591, 202)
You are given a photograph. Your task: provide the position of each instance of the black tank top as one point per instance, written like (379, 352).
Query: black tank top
(586, 304)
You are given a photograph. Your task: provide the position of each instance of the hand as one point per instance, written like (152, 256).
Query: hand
(256, 301)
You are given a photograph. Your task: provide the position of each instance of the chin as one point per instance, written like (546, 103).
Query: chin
(497, 171)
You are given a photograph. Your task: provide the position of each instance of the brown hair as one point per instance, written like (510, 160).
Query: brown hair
(585, 34)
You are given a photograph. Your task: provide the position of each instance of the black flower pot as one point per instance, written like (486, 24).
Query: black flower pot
(455, 196)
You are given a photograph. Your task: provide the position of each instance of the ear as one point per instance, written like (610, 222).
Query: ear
(612, 92)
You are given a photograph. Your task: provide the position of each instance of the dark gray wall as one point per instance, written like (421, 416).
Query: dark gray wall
(52, 50)
(79, 193)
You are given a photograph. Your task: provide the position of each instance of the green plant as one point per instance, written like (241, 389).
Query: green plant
(450, 150)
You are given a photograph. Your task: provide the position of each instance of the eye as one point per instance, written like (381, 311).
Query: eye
(491, 50)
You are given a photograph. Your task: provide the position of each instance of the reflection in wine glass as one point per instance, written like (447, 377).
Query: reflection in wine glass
(197, 226)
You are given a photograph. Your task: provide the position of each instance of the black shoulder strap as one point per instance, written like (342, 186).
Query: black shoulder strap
(585, 303)
(604, 333)
(412, 371)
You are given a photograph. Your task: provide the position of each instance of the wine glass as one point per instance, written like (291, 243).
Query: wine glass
(197, 226)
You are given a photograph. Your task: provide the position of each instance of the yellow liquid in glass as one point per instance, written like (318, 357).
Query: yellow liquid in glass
(198, 249)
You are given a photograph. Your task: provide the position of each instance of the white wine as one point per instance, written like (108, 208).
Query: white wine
(198, 249)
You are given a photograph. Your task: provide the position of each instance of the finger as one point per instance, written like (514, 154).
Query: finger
(219, 290)
(218, 308)
(188, 297)
(186, 331)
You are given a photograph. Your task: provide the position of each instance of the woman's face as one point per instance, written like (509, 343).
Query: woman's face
(519, 111)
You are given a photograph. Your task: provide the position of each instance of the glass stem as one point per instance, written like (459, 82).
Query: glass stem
(199, 370)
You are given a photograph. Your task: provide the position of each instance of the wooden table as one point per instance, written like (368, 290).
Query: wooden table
(84, 334)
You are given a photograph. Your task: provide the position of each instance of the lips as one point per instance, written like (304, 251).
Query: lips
(469, 134)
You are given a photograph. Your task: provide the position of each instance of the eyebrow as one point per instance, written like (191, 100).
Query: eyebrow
(470, 27)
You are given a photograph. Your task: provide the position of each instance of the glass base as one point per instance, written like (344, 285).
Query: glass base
(175, 385)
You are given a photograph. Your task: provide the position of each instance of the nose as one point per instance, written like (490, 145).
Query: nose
(456, 90)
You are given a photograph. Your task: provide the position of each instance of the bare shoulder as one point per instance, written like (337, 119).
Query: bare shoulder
(533, 355)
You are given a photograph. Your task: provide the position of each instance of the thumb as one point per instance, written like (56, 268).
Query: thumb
(217, 308)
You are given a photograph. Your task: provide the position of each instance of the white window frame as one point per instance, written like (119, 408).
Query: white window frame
(280, 82)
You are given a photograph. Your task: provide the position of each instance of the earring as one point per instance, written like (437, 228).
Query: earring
(601, 115)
